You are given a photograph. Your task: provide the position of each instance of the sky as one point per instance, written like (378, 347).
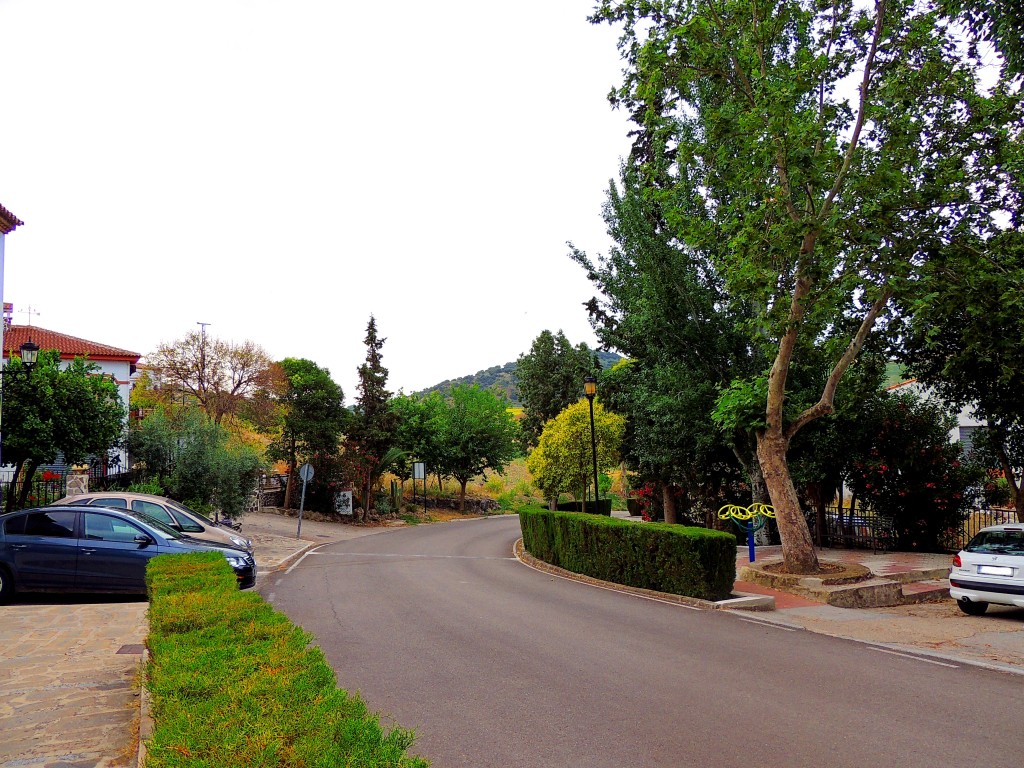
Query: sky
(282, 169)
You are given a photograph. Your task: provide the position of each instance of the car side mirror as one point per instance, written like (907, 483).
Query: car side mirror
(143, 539)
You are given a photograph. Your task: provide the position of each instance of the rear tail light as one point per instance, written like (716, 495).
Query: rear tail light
(956, 561)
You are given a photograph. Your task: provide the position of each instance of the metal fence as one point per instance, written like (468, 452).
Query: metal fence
(864, 529)
(41, 492)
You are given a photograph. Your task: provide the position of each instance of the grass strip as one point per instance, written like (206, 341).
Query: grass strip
(679, 560)
(234, 683)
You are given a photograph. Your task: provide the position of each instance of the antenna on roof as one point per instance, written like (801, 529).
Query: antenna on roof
(29, 312)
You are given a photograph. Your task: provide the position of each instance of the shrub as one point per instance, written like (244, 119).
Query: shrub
(696, 562)
(152, 487)
(233, 682)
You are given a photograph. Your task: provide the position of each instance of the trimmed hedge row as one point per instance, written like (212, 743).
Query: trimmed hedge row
(696, 562)
(234, 683)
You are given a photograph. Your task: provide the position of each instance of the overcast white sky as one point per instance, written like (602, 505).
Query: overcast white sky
(282, 168)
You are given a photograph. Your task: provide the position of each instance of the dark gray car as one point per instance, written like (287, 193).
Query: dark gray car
(76, 549)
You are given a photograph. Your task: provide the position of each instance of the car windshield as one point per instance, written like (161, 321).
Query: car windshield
(152, 522)
(187, 511)
(998, 542)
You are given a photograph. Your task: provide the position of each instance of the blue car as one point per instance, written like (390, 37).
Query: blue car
(76, 549)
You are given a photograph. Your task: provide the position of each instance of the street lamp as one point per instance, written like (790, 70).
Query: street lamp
(590, 389)
(29, 354)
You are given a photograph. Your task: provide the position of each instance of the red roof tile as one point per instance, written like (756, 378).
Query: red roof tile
(8, 221)
(69, 346)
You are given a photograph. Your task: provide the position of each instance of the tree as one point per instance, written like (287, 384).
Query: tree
(217, 374)
(477, 433)
(562, 462)
(196, 460)
(417, 433)
(73, 412)
(815, 202)
(550, 377)
(312, 416)
(965, 340)
(664, 306)
(371, 428)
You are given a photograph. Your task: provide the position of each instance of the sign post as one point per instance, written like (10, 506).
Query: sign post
(419, 473)
(306, 473)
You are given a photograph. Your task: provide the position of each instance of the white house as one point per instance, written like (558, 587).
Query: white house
(120, 364)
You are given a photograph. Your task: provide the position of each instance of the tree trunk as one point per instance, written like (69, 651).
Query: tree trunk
(668, 503)
(12, 487)
(462, 495)
(1016, 493)
(797, 548)
(553, 504)
(26, 483)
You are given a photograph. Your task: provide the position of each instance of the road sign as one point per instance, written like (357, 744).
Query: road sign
(306, 472)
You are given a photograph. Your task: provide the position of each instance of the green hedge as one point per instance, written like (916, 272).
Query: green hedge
(696, 562)
(234, 683)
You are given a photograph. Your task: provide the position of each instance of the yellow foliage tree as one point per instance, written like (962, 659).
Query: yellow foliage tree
(562, 461)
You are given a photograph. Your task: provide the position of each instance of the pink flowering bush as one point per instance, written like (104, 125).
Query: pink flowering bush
(909, 471)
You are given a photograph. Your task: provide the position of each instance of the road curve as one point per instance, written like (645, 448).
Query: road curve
(495, 664)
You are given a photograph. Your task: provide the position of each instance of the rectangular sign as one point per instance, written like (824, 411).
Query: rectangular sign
(343, 502)
(418, 470)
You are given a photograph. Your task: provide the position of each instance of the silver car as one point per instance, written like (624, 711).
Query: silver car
(166, 511)
(990, 569)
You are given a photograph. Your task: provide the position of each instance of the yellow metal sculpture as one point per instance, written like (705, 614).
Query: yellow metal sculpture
(751, 519)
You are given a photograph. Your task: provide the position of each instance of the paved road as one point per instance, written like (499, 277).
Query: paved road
(495, 664)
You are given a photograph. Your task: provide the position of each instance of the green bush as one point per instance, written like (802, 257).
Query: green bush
(151, 486)
(696, 562)
(234, 683)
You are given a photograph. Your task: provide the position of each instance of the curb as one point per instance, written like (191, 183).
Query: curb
(145, 718)
(289, 559)
(740, 601)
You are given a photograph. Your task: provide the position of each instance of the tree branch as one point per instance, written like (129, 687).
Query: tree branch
(824, 406)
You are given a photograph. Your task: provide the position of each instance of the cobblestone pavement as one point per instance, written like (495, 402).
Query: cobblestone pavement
(68, 687)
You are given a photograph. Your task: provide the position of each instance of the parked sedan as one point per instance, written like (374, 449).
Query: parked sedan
(990, 569)
(167, 511)
(72, 549)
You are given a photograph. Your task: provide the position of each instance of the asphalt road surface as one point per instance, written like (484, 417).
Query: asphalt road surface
(495, 664)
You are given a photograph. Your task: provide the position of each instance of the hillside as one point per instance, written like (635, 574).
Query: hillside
(503, 378)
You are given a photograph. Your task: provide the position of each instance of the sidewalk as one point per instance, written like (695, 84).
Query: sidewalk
(939, 629)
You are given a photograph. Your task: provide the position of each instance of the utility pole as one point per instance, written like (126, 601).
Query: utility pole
(202, 361)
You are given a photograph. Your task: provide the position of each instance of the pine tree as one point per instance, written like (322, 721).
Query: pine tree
(371, 434)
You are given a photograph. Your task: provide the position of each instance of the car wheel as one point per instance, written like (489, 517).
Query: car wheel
(972, 608)
(6, 586)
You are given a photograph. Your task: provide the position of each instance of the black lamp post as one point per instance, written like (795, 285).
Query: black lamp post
(29, 355)
(590, 389)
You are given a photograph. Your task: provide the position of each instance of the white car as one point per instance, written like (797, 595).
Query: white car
(990, 569)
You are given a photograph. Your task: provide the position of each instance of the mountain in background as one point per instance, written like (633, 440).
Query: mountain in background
(503, 378)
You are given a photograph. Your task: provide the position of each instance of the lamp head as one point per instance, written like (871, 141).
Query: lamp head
(29, 354)
(590, 387)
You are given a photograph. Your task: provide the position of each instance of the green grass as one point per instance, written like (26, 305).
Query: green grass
(235, 683)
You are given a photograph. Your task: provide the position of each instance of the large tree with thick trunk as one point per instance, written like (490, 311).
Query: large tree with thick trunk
(820, 152)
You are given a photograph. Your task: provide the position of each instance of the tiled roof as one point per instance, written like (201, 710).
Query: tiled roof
(8, 221)
(69, 346)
